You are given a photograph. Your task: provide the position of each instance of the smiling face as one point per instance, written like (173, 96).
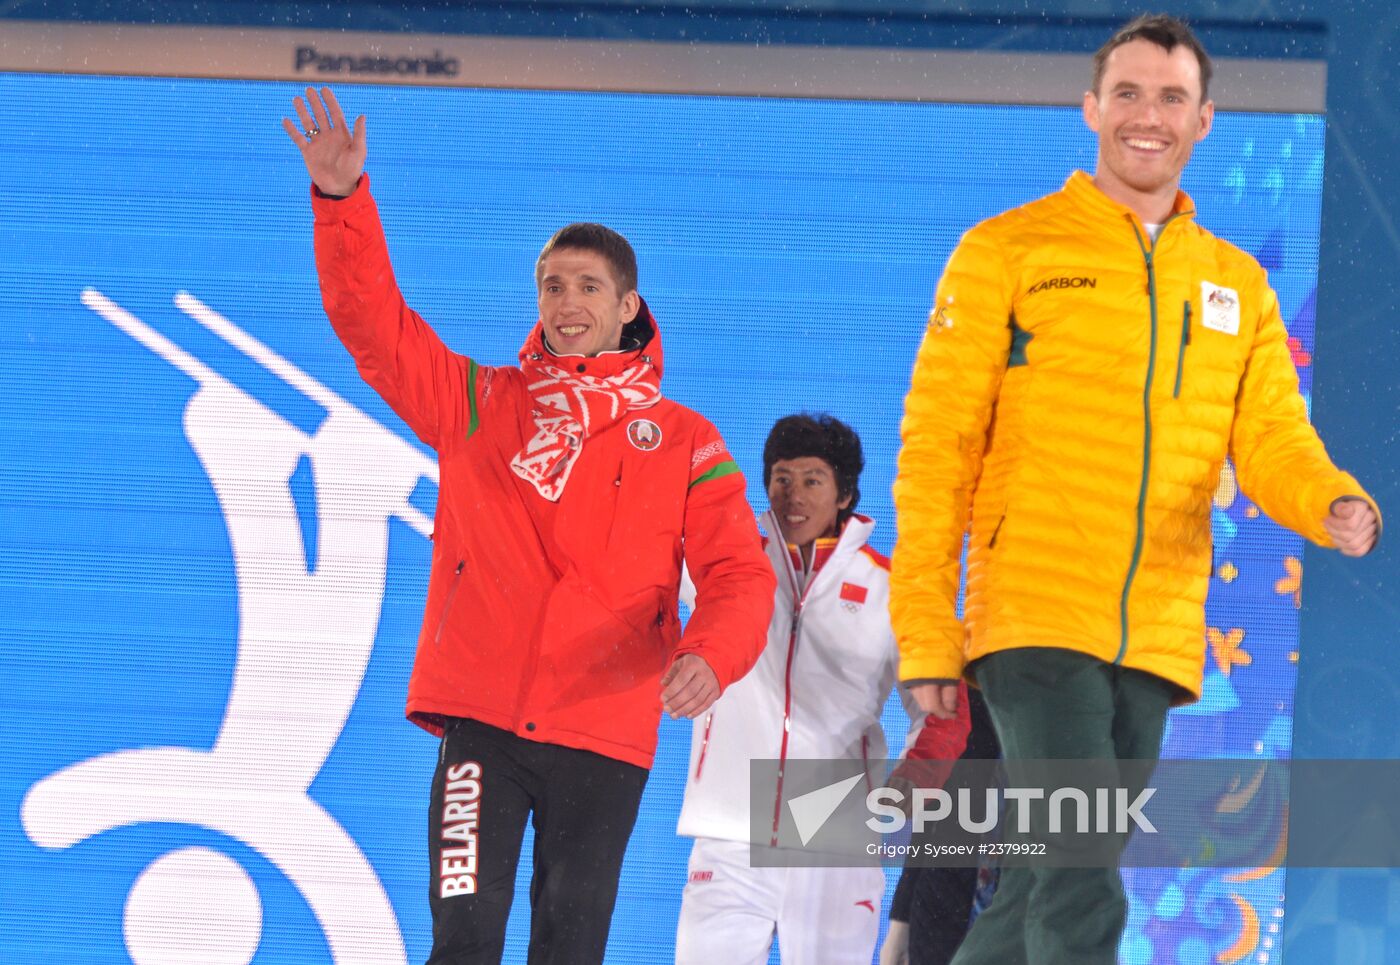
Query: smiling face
(805, 498)
(581, 308)
(1149, 114)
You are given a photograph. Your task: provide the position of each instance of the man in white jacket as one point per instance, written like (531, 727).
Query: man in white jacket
(816, 693)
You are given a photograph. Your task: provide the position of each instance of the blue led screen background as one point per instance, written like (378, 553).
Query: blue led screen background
(215, 537)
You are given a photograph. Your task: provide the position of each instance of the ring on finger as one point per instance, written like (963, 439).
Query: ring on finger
(313, 132)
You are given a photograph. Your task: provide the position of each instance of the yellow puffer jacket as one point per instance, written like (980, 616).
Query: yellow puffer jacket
(1076, 393)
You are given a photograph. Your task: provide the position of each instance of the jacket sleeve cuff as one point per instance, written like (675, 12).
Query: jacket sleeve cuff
(721, 670)
(1358, 493)
(1345, 487)
(937, 667)
(328, 208)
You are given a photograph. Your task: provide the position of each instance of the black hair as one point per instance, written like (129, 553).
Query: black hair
(825, 437)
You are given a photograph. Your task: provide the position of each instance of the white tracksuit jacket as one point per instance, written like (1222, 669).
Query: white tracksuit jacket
(816, 692)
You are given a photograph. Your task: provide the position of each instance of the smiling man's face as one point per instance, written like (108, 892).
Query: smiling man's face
(1149, 114)
(805, 497)
(580, 305)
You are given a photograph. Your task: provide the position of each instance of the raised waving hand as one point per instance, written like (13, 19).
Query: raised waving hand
(334, 154)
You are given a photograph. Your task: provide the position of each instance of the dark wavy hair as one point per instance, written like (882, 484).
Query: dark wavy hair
(827, 438)
(1166, 32)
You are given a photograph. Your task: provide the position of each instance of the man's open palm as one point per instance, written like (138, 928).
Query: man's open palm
(334, 155)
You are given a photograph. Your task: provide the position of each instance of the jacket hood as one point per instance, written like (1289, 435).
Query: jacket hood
(640, 337)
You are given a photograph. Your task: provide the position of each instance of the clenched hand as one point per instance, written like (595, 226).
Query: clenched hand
(689, 687)
(1353, 526)
(939, 698)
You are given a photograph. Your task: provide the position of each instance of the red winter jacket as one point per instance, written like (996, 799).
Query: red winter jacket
(551, 620)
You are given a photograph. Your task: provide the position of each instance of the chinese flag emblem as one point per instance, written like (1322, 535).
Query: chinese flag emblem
(852, 593)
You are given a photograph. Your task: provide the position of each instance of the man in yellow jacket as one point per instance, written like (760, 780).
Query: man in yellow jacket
(1090, 361)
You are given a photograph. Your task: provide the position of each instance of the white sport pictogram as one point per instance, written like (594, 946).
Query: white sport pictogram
(305, 635)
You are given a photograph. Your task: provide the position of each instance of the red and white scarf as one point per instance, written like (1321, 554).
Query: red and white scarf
(569, 408)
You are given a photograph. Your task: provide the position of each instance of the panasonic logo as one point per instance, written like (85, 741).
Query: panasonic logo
(1063, 283)
(311, 59)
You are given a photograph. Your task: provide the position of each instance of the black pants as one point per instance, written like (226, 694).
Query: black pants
(937, 902)
(583, 804)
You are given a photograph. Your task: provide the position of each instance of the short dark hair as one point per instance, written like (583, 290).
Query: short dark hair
(825, 437)
(588, 236)
(1166, 32)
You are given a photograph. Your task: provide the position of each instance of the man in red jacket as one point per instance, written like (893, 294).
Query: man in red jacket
(570, 490)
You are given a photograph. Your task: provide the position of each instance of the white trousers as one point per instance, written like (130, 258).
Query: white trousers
(730, 911)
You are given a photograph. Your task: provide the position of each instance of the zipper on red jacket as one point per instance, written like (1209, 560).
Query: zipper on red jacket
(447, 604)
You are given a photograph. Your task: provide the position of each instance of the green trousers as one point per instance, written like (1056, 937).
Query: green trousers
(1053, 704)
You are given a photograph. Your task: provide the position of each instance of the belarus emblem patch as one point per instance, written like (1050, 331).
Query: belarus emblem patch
(644, 434)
